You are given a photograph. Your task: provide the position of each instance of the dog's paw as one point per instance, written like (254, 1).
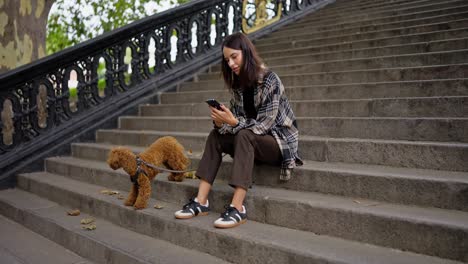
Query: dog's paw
(170, 177)
(139, 206)
(128, 203)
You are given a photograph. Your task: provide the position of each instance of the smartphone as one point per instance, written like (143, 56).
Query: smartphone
(214, 103)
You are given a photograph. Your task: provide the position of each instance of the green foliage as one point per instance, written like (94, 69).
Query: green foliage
(80, 20)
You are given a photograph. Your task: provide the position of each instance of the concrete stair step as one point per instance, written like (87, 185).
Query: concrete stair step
(421, 53)
(436, 88)
(416, 107)
(308, 55)
(294, 34)
(320, 54)
(357, 41)
(431, 72)
(362, 7)
(353, 36)
(428, 188)
(384, 11)
(337, 5)
(108, 243)
(370, 23)
(439, 221)
(312, 63)
(19, 245)
(424, 129)
(397, 153)
(408, 107)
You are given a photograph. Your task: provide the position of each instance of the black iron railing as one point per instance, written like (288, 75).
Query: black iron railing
(48, 103)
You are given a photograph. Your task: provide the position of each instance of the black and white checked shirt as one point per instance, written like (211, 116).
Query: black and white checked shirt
(274, 117)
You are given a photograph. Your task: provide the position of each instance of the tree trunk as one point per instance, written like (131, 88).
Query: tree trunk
(22, 31)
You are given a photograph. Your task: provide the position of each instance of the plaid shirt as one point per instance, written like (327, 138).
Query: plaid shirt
(274, 117)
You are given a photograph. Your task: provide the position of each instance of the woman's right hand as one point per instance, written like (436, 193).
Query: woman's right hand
(224, 116)
(218, 124)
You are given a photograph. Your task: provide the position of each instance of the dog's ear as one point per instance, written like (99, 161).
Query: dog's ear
(114, 158)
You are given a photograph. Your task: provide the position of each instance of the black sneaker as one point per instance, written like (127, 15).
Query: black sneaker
(191, 209)
(231, 217)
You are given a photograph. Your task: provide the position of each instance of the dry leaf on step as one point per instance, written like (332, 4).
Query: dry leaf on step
(120, 197)
(369, 203)
(89, 227)
(86, 221)
(158, 206)
(109, 192)
(190, 175)
(74, 212)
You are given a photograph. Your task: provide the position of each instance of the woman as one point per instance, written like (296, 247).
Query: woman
(259, 126)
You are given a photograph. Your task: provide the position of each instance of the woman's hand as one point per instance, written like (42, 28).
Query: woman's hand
(224, 116)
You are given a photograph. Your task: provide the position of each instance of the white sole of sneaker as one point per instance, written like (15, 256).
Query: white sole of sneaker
(231, 225)
(190, 216)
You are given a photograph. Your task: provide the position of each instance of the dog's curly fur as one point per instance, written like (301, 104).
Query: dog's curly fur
(165, 151)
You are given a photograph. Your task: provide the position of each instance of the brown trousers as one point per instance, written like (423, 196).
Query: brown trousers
(245, 147)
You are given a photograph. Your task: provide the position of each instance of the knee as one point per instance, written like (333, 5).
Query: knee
(213, 138)
(244, 135)
(213, 134)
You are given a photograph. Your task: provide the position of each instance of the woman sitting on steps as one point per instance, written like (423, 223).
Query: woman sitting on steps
(259, 125)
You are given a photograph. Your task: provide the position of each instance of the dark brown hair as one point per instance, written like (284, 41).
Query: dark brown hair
(251, 67)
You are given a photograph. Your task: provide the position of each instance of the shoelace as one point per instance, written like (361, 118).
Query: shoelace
(228, 210)
(189, 204)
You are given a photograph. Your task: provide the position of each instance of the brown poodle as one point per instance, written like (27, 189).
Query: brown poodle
(165, 151)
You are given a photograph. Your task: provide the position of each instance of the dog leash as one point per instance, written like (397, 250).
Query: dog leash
(140, 161)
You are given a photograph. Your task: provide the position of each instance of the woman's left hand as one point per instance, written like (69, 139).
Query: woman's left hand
(224, 116)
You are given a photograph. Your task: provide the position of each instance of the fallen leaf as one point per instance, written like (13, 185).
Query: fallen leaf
(157, 206)
(89, 227)
(109, 192)
(120, 197)
(190, 175)
(366, 203)
(86, 221)
(74, 212)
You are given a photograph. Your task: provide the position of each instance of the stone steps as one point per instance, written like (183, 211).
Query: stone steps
(108, 243)
(311, 63)
(314, 39)
(432, 88)
(370, 23)
(19, 245)
(419, 51)
(255, 242)
(363, 7)
(326, 213)
(451, 156)
(442, 189)
(336, 45)
(380, 91)
(384, 11)
(294, 34)
(411, 129)
(346, 52)
(377, 107)
(431, 72)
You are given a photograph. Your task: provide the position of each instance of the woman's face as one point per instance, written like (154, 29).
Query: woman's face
(234, 59)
